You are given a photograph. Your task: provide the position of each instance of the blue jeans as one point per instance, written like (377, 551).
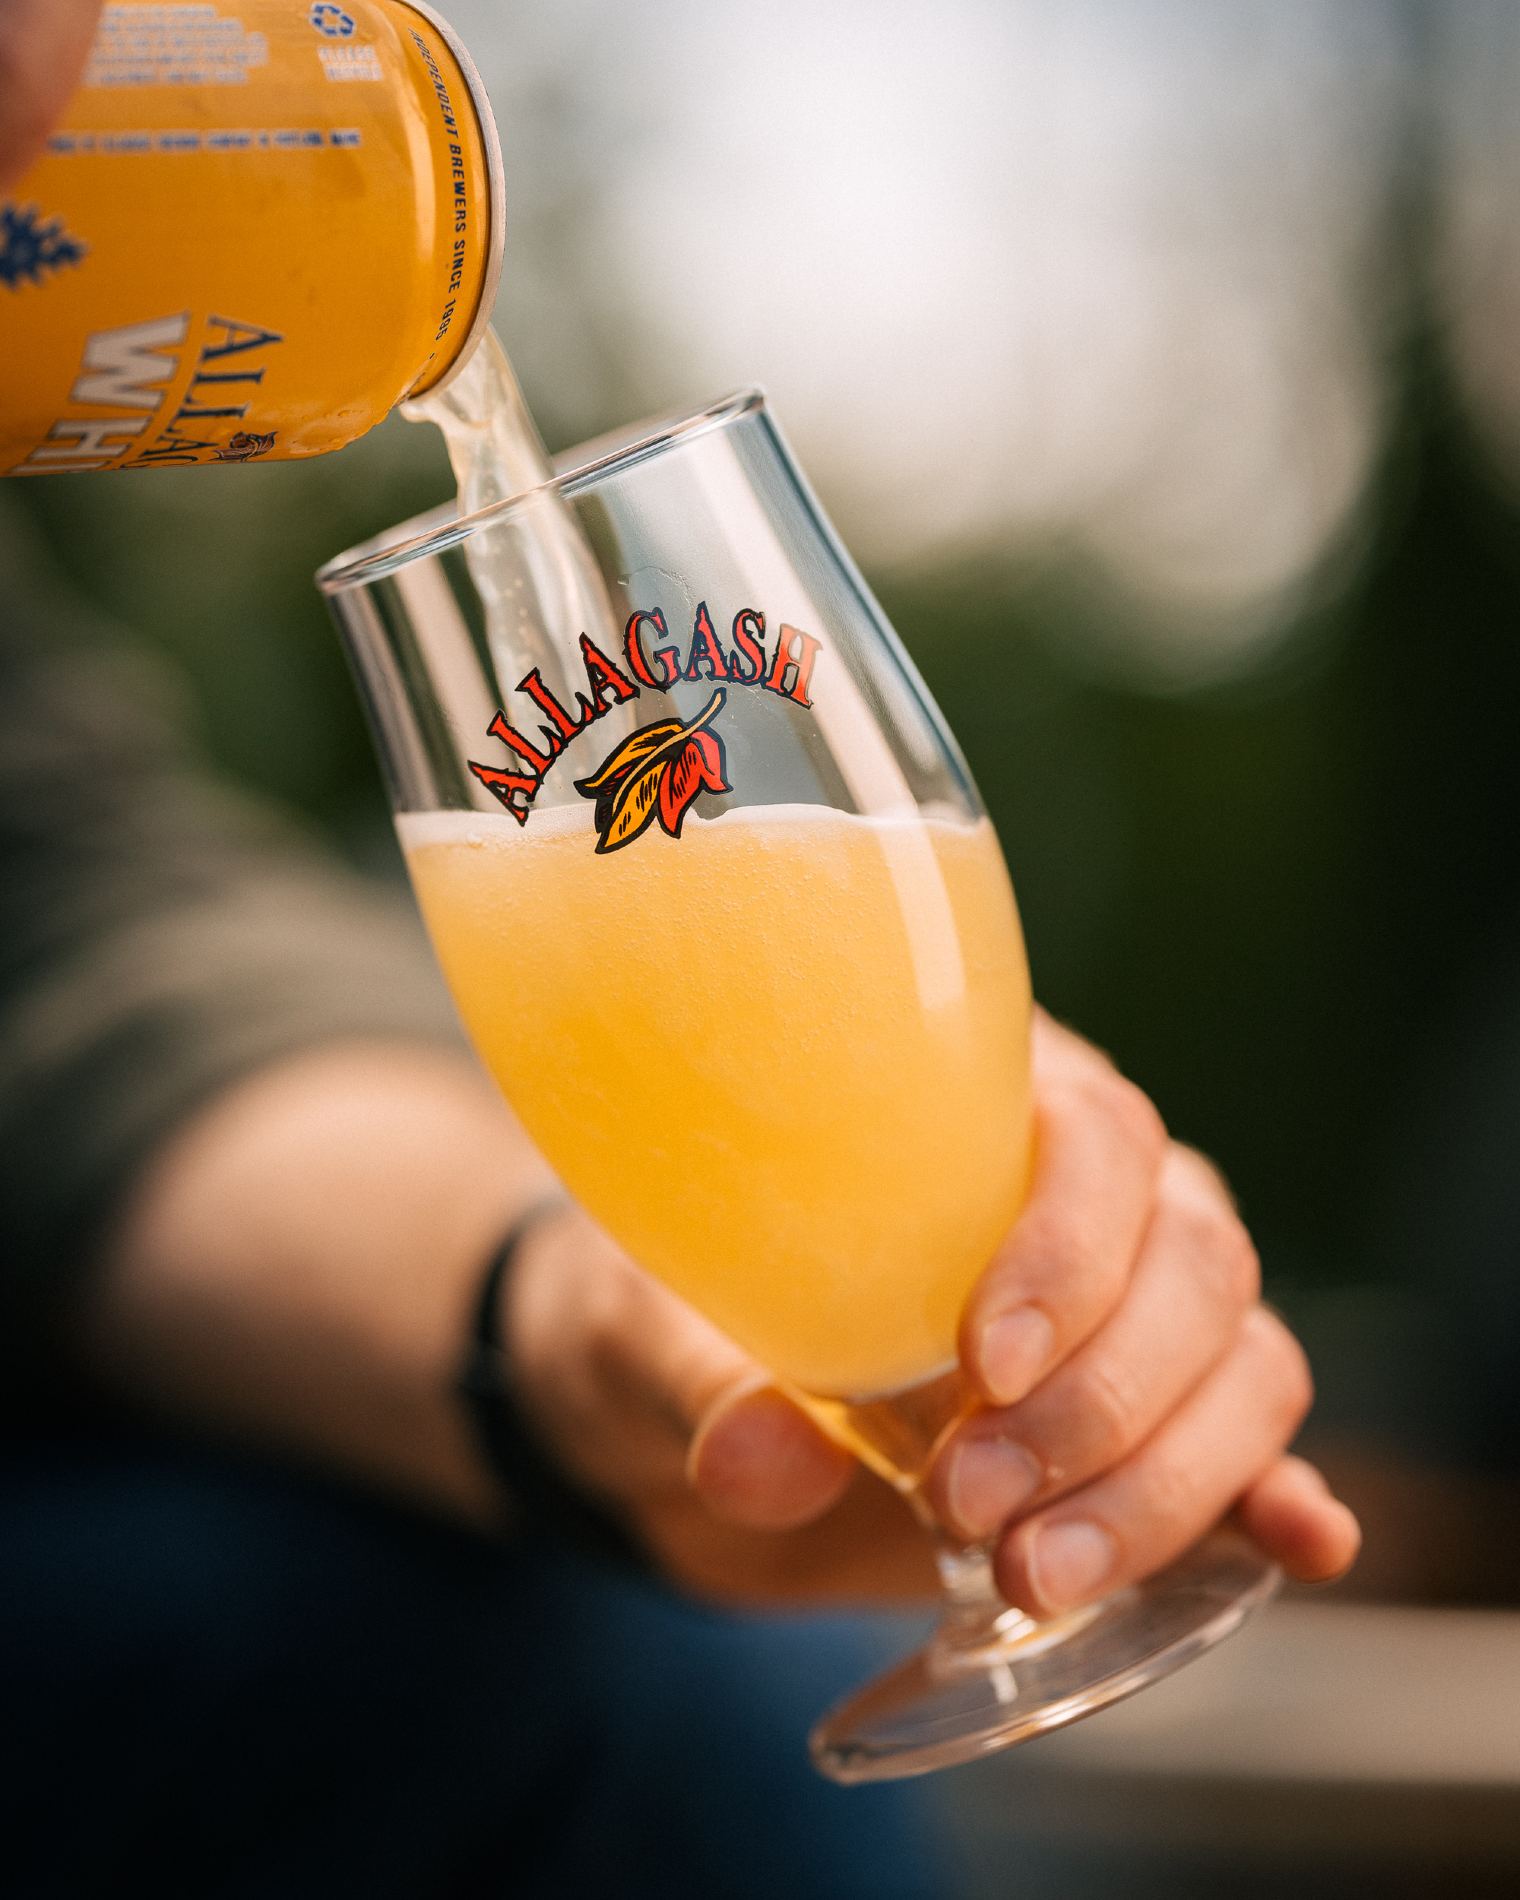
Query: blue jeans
(219, 1679)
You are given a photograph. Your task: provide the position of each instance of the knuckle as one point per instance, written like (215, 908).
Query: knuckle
(1061, 1051)
(1061, 1252)
(1172, 1495)
(1134, 1113)
(1300, 1396)
(1074, 1244)
(1231, 1257)
(1292, 1379)
(1212, 1230)
(1106, 1402)
(1062, 1100)
(1207, 1173)
(1244, 1267)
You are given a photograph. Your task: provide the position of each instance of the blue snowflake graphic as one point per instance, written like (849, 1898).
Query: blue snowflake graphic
(28, 247)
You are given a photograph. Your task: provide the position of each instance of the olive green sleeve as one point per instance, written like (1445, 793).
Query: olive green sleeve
(160, 938)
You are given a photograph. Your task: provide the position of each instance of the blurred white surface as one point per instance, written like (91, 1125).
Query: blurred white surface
(1330, 1692)
(1321, 1726)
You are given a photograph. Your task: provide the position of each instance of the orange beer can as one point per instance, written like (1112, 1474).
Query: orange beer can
(262, 224)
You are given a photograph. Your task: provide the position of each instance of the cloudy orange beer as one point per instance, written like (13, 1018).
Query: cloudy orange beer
(783, 1059)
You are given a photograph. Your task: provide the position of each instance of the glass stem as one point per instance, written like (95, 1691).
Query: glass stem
(974, 1616)
(898, 1437)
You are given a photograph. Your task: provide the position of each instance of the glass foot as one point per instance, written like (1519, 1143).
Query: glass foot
(952, 1702)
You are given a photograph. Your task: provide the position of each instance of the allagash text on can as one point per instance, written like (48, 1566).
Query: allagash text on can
(262, 224)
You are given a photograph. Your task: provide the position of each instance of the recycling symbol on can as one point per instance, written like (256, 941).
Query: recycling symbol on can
(333, 21)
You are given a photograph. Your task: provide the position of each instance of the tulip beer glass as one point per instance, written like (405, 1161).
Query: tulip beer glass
(723, 914)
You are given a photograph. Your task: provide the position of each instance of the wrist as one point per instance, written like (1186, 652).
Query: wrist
(537, 1496)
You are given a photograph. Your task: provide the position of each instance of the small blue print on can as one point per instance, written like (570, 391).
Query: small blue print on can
(31, 245)
(333, 21)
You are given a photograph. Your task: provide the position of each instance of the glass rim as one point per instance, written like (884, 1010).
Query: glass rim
(426, 535)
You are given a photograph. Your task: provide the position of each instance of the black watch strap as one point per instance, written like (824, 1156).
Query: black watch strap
(540, 1498)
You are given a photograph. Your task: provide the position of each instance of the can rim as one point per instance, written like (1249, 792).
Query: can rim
(444, 527)
(496, 173)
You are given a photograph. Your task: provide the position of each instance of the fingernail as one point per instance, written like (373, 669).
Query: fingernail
(1015, 1350)
(1070, 1562)
(757, 1461)
(989, 1479)
(735, 1429)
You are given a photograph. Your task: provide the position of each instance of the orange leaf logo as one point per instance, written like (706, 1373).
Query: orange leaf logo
(656, 773)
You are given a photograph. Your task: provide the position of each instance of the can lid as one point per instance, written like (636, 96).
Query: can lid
(495, 172)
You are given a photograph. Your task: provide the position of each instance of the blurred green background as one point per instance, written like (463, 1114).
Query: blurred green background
(1157, 361)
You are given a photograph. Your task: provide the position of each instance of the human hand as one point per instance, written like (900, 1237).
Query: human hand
(1143, 1392)
(1136, 1388)
(43, 47)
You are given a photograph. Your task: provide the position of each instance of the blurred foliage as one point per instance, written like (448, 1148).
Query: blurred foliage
(217, 578)
(1272, 900)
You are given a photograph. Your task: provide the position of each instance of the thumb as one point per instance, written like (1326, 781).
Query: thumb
(757, 1459)
(43, 45)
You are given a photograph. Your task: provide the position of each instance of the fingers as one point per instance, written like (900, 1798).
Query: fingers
(1180, 1482)
(1137, 1390)
(1291, 1514)
(758, 1460)
(752, 1456)
(1098, 1148)
(1195, 1279)
(643, 1395)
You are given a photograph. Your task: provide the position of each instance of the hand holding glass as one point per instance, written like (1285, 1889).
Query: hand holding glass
(722, 912)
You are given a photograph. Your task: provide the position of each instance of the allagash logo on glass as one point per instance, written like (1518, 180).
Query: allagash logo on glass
(658, 772)
(333, 22)
(28, 246)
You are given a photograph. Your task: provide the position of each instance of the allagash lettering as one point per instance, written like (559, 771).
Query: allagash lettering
(682, 760)
(131, 373)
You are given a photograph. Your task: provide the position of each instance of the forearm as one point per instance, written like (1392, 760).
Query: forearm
(298, 1264)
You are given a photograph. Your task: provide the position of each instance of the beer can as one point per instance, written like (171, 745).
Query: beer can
(262, 224)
